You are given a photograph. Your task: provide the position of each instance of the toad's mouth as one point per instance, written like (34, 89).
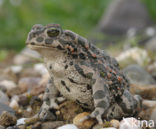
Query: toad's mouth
(35, 46)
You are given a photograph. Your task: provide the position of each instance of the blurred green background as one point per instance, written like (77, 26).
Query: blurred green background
(81, 16)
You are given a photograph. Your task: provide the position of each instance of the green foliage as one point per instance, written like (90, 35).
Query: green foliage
(151, 6)
(16, 19)
(81, 16)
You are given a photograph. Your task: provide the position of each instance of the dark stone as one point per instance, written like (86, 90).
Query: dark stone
(137, 75)
(123, 15)
(4, 107)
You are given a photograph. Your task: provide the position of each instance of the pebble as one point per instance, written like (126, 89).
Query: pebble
(115, 123)
(26, 56)
(69, 110)
(149, 110)
(153, 114)
(9, 85)
(86, 123)
(21, 121)
(145, 91)
(52, 124)
(40, 68)
(16, 69)
(3, 98)
(14, 104)
(133, 56)
(23, 100)
(152, 69)
(129, 123)
(68, 126)
(1, 127)
(138, 75)
(7, 119)
(27, 83)
(13, 72)
(149, 103)
(4, 107)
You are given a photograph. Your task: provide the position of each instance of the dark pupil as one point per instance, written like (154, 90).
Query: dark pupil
(53, 33)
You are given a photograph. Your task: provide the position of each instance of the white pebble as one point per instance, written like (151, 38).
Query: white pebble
(21, 121)
(14, 105)
(16, 69)
(68, 126)
(40, 68)
(130, 123)
(9, 85)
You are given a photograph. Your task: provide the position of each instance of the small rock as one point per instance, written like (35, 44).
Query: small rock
(14, 105)
(26, 56)
(3, 98)
(23, 100)
(21, 127)
(115, 123)
(151, 45)
(9, 85)
(27, 83)
(129, 123)
(98, 126)
(52, 125)
(153, 114)
(87, 124)
(1, 127)
(21, 121)
(30, 53)
(68, 126)
(7, 119)
(145, 91)
(137, 75)
(148, 111)
(152, 69)
(69, 110)
(40, 68)
(133, 56)
(16, 69)
(149, 103)
(31, 120)
(4, 107)
(123, 15)
(12, 127)
(13, 72)
(37, 125)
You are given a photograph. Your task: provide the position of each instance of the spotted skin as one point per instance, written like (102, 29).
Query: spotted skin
(82, 73)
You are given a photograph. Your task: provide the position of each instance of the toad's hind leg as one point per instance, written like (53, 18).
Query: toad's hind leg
(101, 99)
(130, 104)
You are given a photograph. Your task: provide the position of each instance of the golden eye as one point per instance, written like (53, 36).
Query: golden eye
(53, 32)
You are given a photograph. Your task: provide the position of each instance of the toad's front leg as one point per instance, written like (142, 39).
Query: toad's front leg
(50, 100)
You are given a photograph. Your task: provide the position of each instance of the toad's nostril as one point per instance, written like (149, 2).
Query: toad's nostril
(32, 43)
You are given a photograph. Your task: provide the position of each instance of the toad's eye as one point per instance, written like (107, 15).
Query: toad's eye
(53, 32)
